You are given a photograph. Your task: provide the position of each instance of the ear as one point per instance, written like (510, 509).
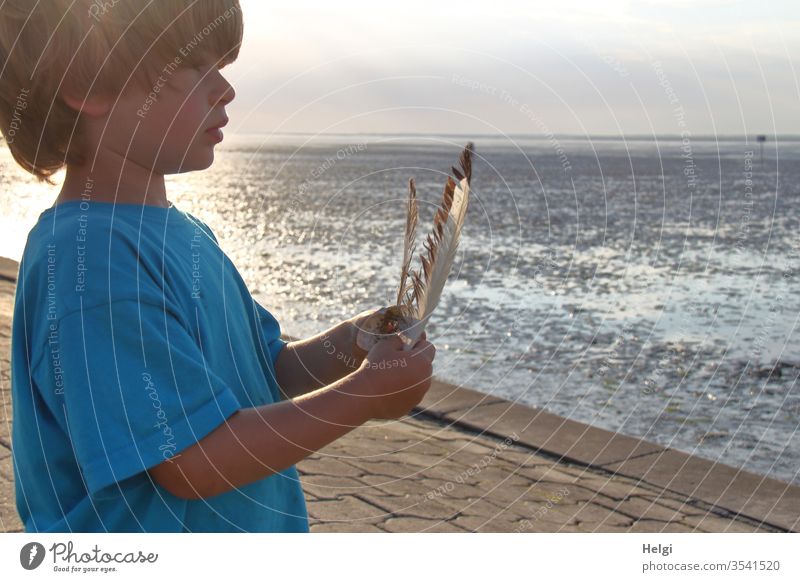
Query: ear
(94, 105)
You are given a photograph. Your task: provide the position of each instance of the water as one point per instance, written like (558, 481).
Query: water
(643, 286)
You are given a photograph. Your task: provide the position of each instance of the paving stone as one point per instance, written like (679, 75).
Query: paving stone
(463, 446)
(415, 429)
(367, 446)
(395, 470)
(550, 474)
(573, 493)
(533, 525)
(617, 488)
(429, 447)
(445, 527)
(504, 495)
(594, 527)
(542, 511)
(7, 470)
(484, 524)
(438, 509)
(642, 509)
(525, 458)
(422, 461)
(680, 504)
(655, 526)
(413, 488)
(602, 515)
(9, 522)
(435, 488)
(418, 525)
(492, 475)
(327, 487)
(334, 482)
(9, 518)
(716, 524)
(448, 508)
(347, 510)
(489, 507)
(344, 528)
(334, 467)
(740, 491)
(311, 496)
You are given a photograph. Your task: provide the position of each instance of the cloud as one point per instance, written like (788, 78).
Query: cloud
(581, 65)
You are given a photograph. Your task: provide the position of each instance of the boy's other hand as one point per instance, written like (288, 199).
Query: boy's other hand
(356, 323)
(396, 379)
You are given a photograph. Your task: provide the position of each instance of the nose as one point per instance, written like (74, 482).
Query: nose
(223, 92)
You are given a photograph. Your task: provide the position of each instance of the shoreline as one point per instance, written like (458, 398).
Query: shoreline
(544, 447)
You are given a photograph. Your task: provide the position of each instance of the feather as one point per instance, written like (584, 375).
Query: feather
(404, 295)
(420, 290)
(441, 245)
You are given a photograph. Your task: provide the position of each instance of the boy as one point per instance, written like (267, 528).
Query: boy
(146, 397)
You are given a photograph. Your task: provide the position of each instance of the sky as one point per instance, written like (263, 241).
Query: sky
(611, 67)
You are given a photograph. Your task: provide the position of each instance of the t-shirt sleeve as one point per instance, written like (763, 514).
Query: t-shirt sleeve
(269, 325)
(272, 332)
(136, 389)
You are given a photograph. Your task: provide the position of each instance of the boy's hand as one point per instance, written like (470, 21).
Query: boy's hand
(357, 323)
(395, 379)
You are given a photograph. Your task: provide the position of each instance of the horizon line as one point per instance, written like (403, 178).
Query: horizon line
(536, 135)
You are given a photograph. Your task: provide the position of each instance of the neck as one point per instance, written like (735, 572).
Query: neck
(113, 178)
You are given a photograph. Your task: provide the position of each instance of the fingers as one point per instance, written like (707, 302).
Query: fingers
(421, 338)
(394, 342)
(424, 349)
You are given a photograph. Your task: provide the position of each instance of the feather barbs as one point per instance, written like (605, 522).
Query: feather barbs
(441, 245)
(420, 289)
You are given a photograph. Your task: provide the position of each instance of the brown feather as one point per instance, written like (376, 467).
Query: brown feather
(422, 293)
(404, 299)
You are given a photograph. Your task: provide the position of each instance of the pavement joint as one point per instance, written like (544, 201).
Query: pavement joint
(373, 503)
(627, 458)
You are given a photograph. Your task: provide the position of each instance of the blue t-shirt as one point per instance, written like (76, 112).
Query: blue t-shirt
(134, 337)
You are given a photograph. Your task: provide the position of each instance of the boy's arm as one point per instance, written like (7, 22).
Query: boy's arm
(309, 364)
(256, 442)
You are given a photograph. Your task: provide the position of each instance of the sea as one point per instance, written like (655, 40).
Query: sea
(642, 284)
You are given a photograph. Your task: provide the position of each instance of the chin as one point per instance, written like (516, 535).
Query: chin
(196, 164)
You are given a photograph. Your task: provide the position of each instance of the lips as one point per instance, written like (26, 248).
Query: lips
(220, 125)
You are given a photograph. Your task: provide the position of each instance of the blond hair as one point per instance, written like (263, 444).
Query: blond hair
(95, 47)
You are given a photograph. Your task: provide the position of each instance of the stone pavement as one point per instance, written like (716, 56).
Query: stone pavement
(468, 462)
(422, 474)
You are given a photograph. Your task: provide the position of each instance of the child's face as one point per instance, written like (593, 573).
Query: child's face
(166, 129)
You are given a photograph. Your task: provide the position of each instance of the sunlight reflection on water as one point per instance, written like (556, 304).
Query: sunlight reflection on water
(630, 302)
